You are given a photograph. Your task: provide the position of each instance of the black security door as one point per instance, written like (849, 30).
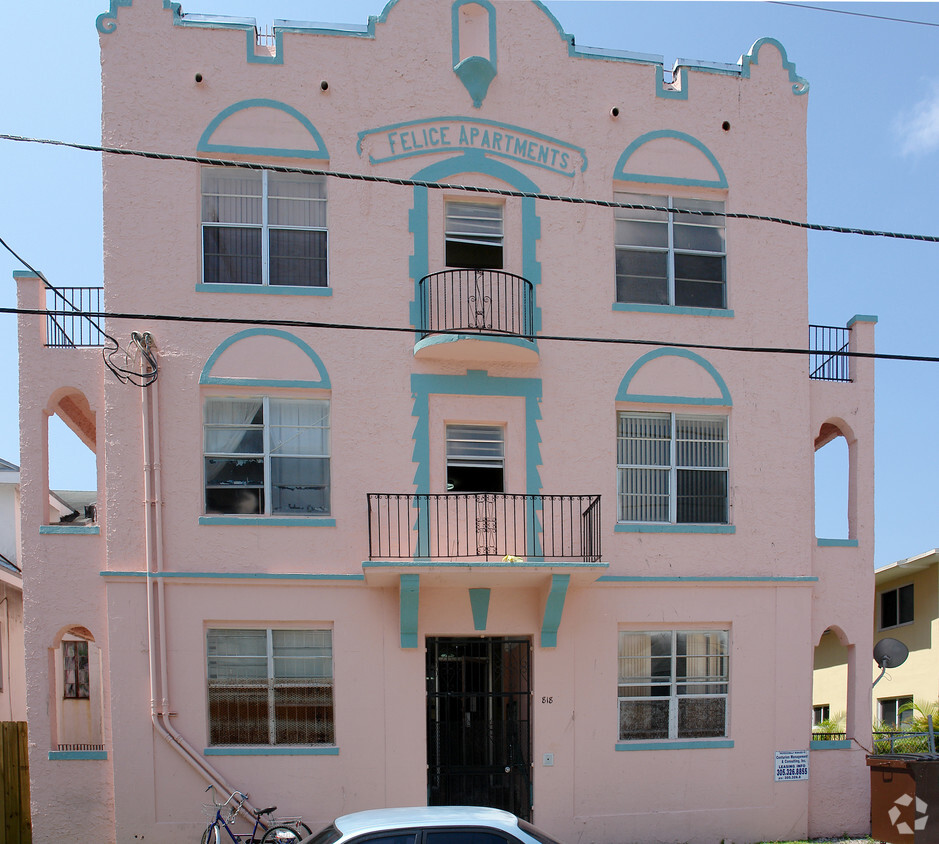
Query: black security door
(479, 723)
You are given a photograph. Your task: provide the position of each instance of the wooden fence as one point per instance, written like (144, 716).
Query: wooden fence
(15, 823)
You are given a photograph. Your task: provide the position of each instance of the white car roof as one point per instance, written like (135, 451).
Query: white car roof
(419, 816)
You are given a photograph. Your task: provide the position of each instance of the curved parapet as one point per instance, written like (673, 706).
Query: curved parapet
(799, 85)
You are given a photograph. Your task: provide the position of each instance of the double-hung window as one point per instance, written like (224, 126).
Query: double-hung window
(673, 684)
(896, 606)
(270, 686)
(475, 458)
(473, 235)
(266, 456)
(672, 468)
(670, 257)
(265, 228)
(76, 680)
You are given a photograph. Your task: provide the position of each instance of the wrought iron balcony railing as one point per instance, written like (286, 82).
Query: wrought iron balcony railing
(828, 361)
(70, 327)
(491, 526)
(476, 300)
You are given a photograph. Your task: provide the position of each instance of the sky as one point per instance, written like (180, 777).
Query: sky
(873, 163)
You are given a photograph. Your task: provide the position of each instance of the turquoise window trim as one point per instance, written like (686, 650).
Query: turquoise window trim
(843, 744)
(76, 755)
(702, 744)
(620, 172)
(647, 527)
(75, 530)
(266, 289)
(410, 585)
(624, 395)
(267, 521)
(224, 575)
(331, 750)
(553, 610)
(207, 378)
(479, 603)
(836, 543)
(691, 578)
(205, 145)
(680, 310)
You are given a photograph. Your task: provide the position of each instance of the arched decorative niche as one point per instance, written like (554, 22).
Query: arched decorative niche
(75, 686)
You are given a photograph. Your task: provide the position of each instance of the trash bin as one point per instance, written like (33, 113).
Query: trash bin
(905, 798)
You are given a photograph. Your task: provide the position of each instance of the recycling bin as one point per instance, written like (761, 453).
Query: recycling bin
(905, 798)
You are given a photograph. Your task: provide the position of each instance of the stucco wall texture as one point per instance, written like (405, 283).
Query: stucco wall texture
(731, 133)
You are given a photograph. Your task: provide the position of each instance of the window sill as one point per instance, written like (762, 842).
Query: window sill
(80, 530)
(836, 543)
(274, 289)
(665, 744)
(649, 527)
(269, 521)
(636, 307)
(321, 750)
(76, 755)
(821, 744)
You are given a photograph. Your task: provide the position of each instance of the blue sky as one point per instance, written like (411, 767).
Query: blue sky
(873, 141)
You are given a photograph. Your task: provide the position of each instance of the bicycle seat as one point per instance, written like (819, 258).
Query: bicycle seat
(267, 811)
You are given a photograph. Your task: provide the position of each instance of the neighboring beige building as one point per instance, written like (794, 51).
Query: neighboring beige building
(906, 607)
(12, 652)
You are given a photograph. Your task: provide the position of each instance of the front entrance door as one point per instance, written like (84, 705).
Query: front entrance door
(479, 723)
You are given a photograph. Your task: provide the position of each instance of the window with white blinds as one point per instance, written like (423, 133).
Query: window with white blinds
(475, 458)
(473, 235)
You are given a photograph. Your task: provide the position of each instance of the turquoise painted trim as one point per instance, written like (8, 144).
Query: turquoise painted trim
(799, 85)
(627, 578)
(475, 72)
(224, 575)
(620, 171)
(205, 145)
(646, 527)
(836, 543)
(417, 262)
(681, 93)
(410, 585)
(107, 21)
(25, 274)
(271, 751)
(479, 602)
(77, 530)
(844, 744)
(623, 393)
(703, 744)
(862, 318)
(207, 378)
(419, 563)
(267, 521)
(76, 755)
(444, 339)
(671, 309)
(553, 609)
(266, 289)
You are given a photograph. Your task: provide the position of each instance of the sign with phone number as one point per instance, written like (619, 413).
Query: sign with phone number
(792, 765)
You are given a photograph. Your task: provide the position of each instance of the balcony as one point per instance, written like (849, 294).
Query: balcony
(828, 361)
(474, 315)
(67, 323)
(484, 526)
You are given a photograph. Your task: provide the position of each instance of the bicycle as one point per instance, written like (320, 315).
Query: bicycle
(274, 831)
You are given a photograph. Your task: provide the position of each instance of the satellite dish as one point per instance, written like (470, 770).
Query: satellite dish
(889, 653)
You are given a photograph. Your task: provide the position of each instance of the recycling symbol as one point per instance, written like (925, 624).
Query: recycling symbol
(921, 809)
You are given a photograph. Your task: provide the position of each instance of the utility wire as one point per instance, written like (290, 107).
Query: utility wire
(391, 180)
(564, 338)
(854, 14)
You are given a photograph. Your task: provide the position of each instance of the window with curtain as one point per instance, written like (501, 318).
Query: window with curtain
(266, 456)
(673, 684)
(76, 680)
(672, 468)
(672, 257)
(263, 228)
(473, 235)
(270, 686)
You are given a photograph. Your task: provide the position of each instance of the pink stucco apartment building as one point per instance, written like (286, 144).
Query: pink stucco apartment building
(441, 489)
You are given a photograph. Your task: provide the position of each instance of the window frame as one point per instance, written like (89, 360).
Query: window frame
(271, 684)
(670, 249)
(266, 228)
(78, 645)
(821, 712)
(895, 593)
(476, 461)
(267, 456)
(674, 681)
(898, 722)
(470, 238)
(673, 468)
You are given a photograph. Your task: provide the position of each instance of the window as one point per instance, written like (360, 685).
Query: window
(670, 257)
(891, 716)
(260, 227)
(896, 607)
(820, 713)
(266, 456)
(473, 236)
(672, 468)
(475, 458)
(270, 686)
(673, 684)
(75, 670)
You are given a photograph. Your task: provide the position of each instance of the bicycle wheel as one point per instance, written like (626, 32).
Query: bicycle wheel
(210, 836)
(282, 835)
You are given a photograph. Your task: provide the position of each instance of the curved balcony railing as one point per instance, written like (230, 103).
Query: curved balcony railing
(476, 300)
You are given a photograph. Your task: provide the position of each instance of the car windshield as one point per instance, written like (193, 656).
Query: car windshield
(536, 833)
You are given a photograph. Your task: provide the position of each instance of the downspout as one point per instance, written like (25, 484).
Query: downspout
(156, 599)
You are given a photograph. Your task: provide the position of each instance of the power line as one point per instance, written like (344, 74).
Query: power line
(392, 180)
(853, 14)
(563, 338)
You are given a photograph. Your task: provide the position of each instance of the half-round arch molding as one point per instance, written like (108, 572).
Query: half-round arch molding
(831, 429)
(75, 630)
(698, 382)
(799, 85)
(72, 406)
(669, 157)
(245, 127)
(260, 357)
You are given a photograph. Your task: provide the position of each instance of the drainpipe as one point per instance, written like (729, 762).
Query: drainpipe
(156, 599)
